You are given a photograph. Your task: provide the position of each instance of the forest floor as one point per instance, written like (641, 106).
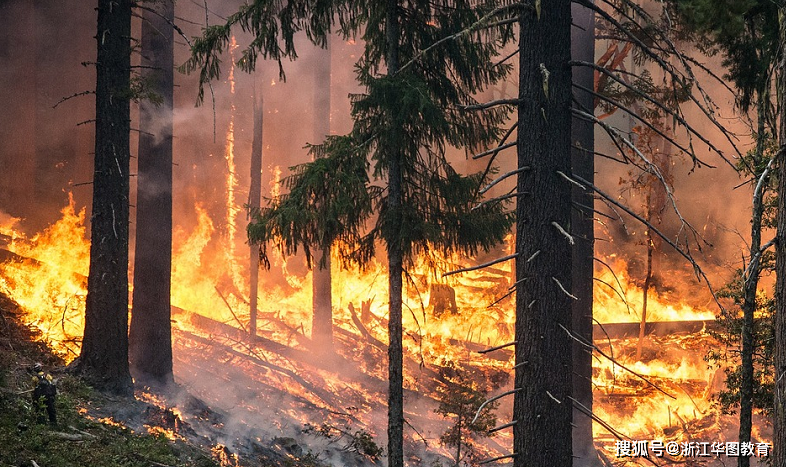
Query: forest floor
(264, 403)
(97, 430)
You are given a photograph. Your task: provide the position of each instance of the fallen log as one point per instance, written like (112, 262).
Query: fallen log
(323, 395)
(359, 325)
(333, 363)
(216, 327)
(7, 256)
(601, 332)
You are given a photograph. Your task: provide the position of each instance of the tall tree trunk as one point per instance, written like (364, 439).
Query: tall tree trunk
(104, 357)
(150, 336)
(395, 269)
(544, 363)
(254, 199)
(322, 299)
(750, 286)
(583, 230)
(779, 412)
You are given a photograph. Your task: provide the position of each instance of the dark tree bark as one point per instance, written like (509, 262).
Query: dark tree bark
(542, 408)
(254, 199)
(150, 337)
(583, 230)
(395, 268)
(322, 296)
(104, 357)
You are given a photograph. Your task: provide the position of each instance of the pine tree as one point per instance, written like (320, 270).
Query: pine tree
(402, 126)
(150, 333)
(104, 356)
(747, 34)
(404, 121)
(541, 406)
(583, 230)
(322, 301)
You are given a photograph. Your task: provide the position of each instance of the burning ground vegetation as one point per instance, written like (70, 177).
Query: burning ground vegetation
(280, 398)
(83, 434)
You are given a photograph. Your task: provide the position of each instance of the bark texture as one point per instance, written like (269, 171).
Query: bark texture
(583, 231)
(544, 363)
(150, 337)
(395, 269)
(104, 357)
(322, 295)
(750, 286)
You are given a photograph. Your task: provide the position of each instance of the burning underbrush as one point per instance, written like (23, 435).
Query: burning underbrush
(280, 396)
(84, 433)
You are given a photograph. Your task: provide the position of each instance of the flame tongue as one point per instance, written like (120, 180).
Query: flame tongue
(48, 278)
(446, 321)
(617, 299)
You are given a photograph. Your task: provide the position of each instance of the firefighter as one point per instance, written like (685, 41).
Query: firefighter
(44, 394)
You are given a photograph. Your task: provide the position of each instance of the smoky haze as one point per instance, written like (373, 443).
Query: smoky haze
(45, 154)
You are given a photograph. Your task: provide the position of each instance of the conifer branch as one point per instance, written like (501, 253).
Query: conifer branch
(511, 194)
(564, 290)
(78, 94)
(508, 57)
(586, 411)
(502, 427)
(493, 152)
(564, 232)
(562, 174)
(479, 24)
(508, 294)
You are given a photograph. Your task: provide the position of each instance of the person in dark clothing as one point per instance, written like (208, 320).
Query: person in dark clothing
(44, 395)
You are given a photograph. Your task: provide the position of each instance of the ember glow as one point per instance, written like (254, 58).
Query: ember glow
(49, 278)
(617, 299)
(665, 395)
(446, 320)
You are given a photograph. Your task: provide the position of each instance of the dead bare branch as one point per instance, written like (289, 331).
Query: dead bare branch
(498, 347)
(481, 266)
(685, 254)
(590, 345)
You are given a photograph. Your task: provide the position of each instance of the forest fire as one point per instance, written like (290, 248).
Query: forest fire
(48, 278)
(666, 394)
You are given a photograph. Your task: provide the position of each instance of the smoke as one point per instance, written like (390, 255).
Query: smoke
(44, 152)
(707, 215)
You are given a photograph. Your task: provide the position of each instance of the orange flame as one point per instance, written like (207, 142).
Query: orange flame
(49, 282)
